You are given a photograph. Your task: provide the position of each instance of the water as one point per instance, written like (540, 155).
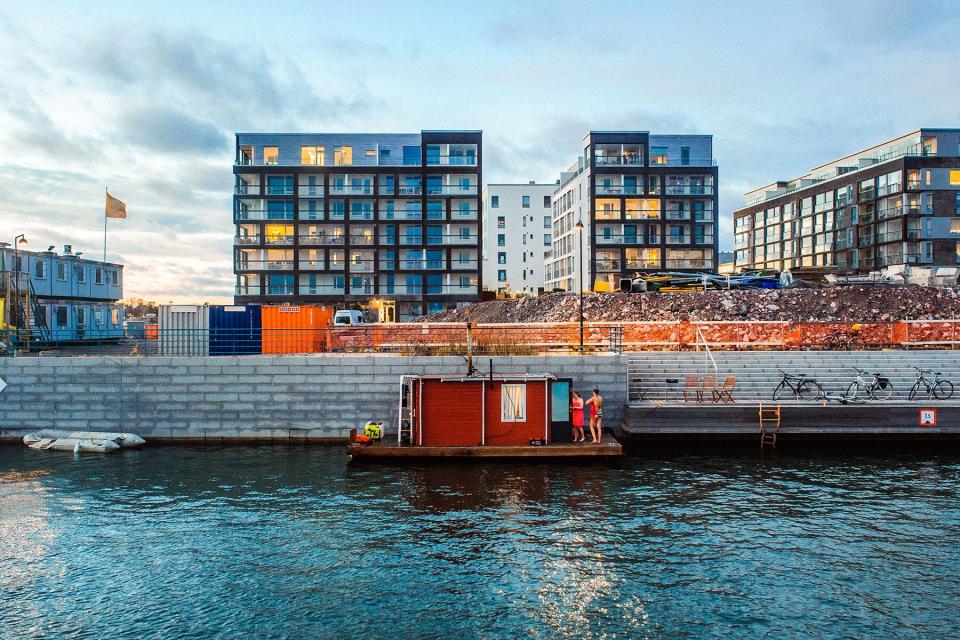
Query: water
(291, 542)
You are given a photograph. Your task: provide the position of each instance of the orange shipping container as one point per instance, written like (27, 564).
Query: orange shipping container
(151, 331)
(295, 329)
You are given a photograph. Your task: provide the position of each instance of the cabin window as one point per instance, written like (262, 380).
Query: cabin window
(513, 403)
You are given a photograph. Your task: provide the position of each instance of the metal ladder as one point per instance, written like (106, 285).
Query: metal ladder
(769, 425)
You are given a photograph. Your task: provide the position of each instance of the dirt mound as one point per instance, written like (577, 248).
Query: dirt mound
(834, 304)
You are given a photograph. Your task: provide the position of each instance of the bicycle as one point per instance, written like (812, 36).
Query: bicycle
(842, 341)
(803, 388)
(878, 387)
(939, 389)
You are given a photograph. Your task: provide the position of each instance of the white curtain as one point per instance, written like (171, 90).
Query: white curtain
(513, 402)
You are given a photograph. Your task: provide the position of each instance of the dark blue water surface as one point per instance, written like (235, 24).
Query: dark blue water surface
(292, 542)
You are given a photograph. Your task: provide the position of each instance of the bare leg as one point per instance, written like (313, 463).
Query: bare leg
(593, 430)
(599, 430)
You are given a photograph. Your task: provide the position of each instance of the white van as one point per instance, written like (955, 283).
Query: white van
(348, 318)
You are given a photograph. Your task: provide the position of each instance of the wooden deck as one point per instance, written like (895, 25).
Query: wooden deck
(391, 449)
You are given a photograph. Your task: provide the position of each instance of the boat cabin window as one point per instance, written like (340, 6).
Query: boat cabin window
(513, 403)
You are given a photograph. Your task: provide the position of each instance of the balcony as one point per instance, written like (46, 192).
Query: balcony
(247, 290)
(361, 240)
(400, 289)
(464, 265)
(246, 188)
(898, 258)
(914, 185)
(361, 214)
(642, 264)
(310, 265)
(262, 214)
(321, 290)
(409, 190)
(691, 263)
(914, 235)
(677, 214)
(618, 160)
(311, 191)
(606, 264)
(361, 266)
(464, 214)
(322, 239)
(451, 160)
(278, 240)
(705, 239)
(689, 190)
(452, 239)
(351, 190)
(618, 190)
(451, 289)
(890, 236)
(866, 194)
(241, 241)
(452, 190)
(422, 265)
(263, 265)
(674, 239)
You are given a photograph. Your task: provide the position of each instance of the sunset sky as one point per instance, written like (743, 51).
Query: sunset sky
(145, 97)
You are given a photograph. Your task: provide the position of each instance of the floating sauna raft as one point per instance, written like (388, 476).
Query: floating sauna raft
(484, 416)
(607, 448)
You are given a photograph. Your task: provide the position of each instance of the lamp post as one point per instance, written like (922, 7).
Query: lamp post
(20, 239)
(579, 226)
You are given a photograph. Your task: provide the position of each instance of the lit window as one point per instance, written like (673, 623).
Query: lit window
(370, 153)
(658, 155)
(954, 177)
(271, 155)
(342, 156)
(501, 222)
(311, 155)
(955, 225)
(513, 403)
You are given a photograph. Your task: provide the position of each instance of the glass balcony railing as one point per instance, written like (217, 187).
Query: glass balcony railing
(422, 265)
(409, 190)
(690, 190)
(464, 214)
(618, 189)
(310, 191)
(365, 214)
(690, 263)
(450, 289)
(361, 240)
(246, 240)
(890, 236)
(311, 265)
(452, 239)
(452, 190)
(605, 264)
(673, 214)
(642, 264)
(914, 185)
(263, 265)
(321, 290)
(247, 290)
(361, 266)
(618, 160)
(262, 214)
(351, 190)
(246, 189)
(455, 161)
(279, 240)
(464, 265)
(406, 214)
(322, 239)
(678, 239)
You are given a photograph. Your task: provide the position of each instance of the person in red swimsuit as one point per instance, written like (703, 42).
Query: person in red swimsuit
(596, 416)
(576, 404)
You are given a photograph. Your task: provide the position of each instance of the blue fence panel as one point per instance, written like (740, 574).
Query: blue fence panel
(235, 330)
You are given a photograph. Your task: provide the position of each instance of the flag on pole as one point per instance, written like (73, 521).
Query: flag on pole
(115, 208)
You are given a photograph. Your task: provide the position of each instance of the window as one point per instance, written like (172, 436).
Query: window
(279, 285)
(384, 154)
(501, 222)
(61, 271)
(513, 403)
(81, 274)
(40, 269)
(658, 155)
(954, 177)
(546, 202)
(311, 155)
(115, 277)
(42, 314)
(271, 155)
(684, 156)
(81, 316)
(502, 257)
(98, 275)
(411, 155)
(370, 153)
(494, 202)
(342, 156)
(546, 239)
(526, 202)
(501, 275)
(501, 240)
(61, 316)
(546, 222)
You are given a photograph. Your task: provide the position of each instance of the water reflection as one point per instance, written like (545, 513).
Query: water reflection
(291, 541)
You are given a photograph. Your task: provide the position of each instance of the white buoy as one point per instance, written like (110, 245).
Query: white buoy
(76, 447)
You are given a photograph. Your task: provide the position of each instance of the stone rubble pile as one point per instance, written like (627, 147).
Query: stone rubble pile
(828, 304)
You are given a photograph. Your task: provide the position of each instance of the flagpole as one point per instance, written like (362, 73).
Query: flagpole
(107, 192)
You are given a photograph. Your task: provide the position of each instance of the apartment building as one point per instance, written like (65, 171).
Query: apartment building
(648, 202)
(60, 297)
(349, 219)
(896, 203)
(517, 224)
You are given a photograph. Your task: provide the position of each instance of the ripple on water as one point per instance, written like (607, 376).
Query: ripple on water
(268, 542)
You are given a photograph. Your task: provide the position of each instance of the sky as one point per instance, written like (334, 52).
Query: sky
(144, 97)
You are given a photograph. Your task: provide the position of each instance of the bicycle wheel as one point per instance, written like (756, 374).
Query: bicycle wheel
(914, 390)
(881, 391)
(809, 390)
(779, 390)
(831, 343)
(852, 391)
(943, 390)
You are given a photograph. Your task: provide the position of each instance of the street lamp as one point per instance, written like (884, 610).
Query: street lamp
(579, 226)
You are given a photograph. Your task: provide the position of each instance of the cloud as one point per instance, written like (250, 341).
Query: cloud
(163, 129)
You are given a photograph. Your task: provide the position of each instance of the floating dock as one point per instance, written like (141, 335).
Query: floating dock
(391, 449)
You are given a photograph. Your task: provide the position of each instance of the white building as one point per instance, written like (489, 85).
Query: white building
(516, 236)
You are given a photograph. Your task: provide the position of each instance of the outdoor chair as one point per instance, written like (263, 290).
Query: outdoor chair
(691, 386)
(725, 393)
(709, 384)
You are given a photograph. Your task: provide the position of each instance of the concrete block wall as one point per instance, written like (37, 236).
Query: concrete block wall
(278, 398)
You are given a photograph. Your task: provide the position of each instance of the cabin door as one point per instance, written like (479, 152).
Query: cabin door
(561, 429)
